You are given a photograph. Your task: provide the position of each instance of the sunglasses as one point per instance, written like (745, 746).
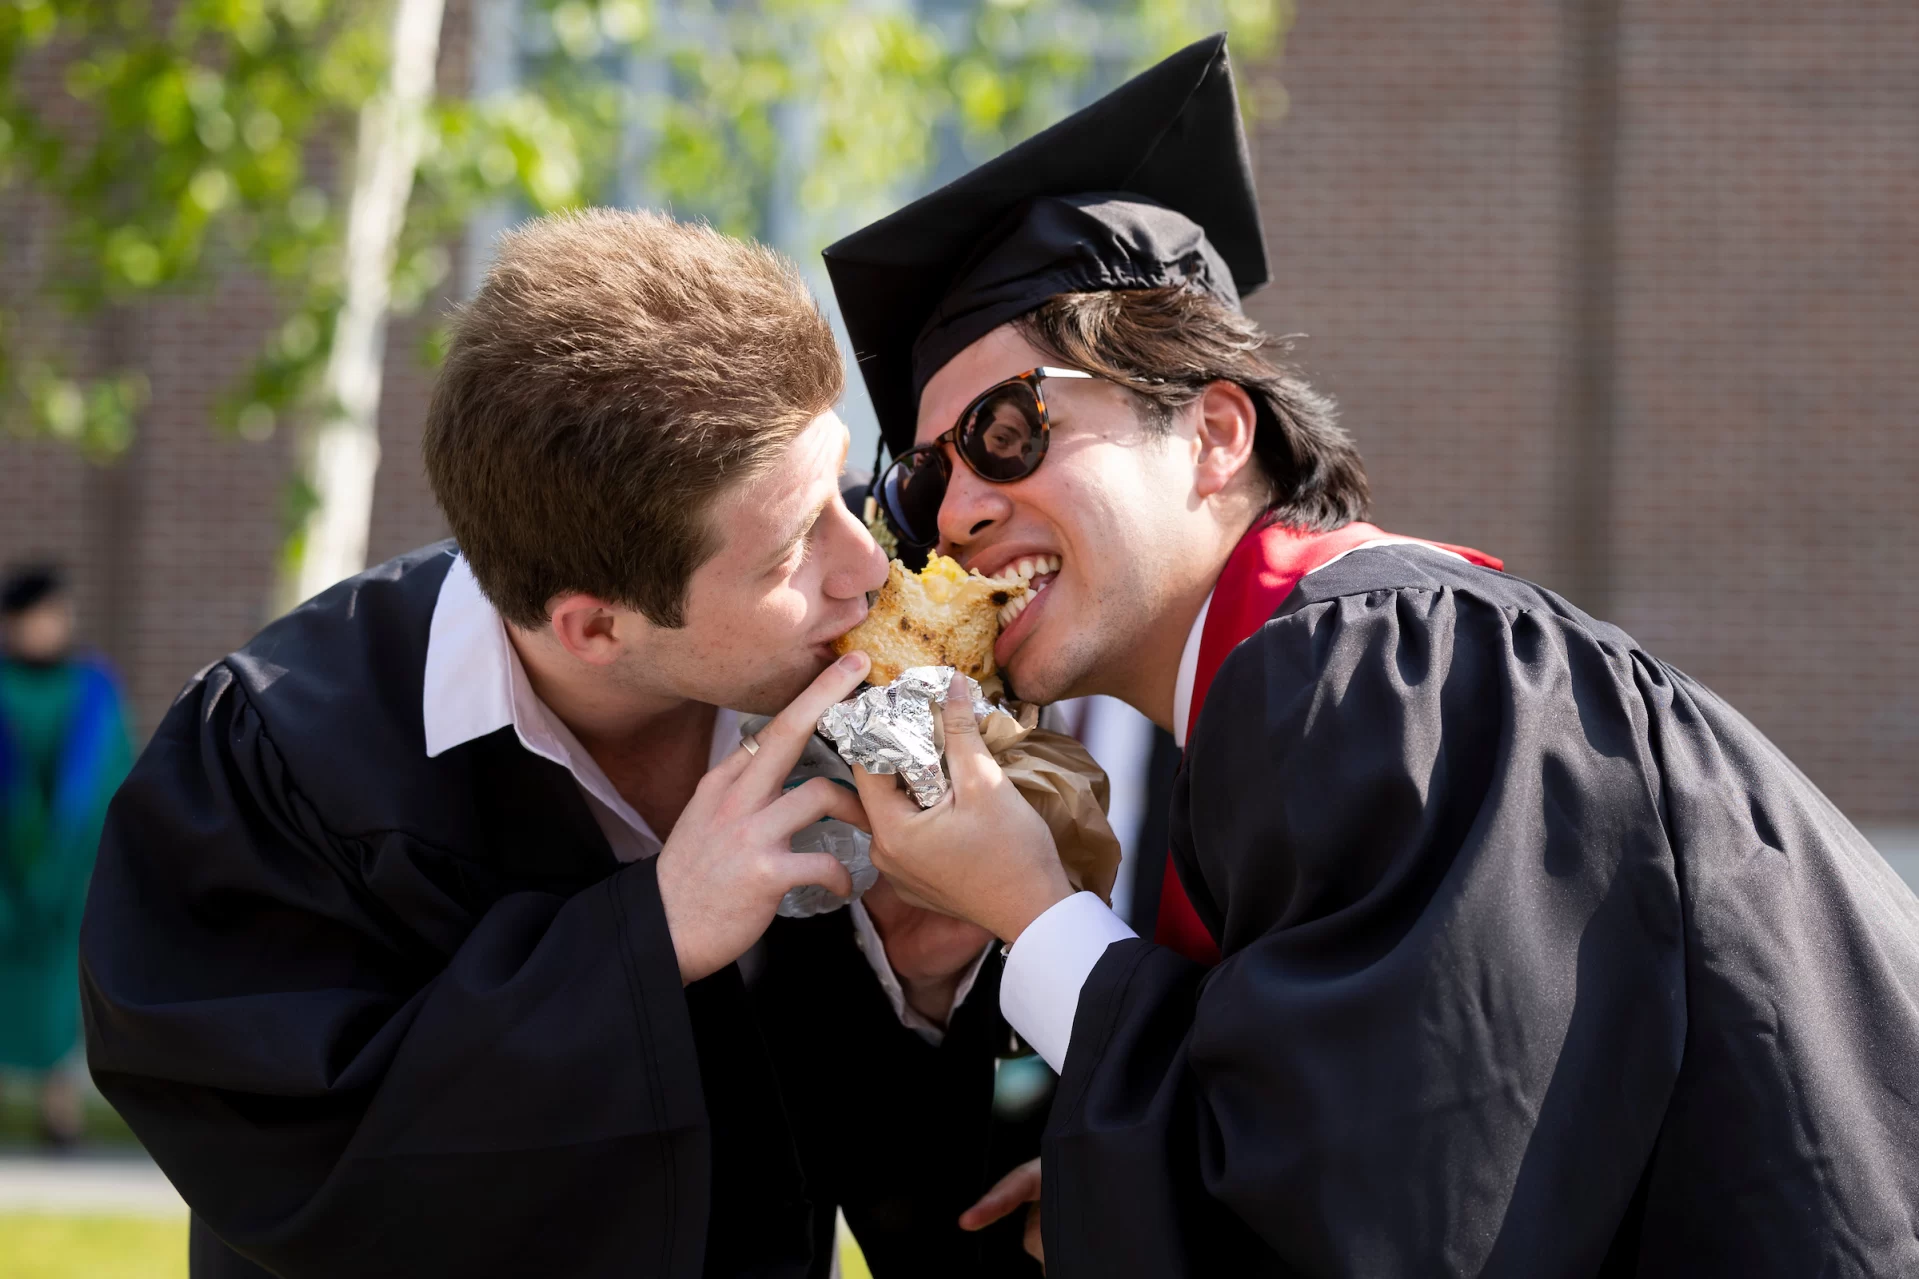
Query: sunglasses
(1001, 436)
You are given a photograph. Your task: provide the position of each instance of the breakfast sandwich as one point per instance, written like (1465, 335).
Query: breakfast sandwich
(940, 616)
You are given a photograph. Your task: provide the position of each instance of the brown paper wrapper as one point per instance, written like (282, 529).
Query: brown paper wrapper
(1063, 784)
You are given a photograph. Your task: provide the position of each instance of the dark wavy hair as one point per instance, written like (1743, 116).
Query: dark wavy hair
(1167, 345)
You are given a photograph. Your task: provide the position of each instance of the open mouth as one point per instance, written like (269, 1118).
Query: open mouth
(1035, 573)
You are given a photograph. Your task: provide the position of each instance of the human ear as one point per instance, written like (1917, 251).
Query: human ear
(1223, 436)
(587, 628)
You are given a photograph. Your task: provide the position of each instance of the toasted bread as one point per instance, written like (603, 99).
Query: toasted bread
(940, 616)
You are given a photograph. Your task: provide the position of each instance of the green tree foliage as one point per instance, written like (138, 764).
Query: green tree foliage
(172, 142)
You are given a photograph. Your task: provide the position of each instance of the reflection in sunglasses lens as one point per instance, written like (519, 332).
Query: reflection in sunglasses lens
(1000, 438)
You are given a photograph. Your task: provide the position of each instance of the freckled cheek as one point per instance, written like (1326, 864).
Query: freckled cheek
(785, 612)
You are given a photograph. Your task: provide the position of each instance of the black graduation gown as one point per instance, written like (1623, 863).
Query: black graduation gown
(379, 1014)
(1539, 960)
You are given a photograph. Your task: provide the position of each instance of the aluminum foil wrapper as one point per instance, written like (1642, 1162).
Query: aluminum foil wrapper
(847, 843)
(896, 729)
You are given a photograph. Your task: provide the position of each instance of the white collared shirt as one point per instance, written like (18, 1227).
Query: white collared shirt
(1188, 672)
(476, 685)
(1048, 965)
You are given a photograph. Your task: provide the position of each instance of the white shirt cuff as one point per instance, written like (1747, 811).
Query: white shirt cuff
(868, 938)
(1039, 992)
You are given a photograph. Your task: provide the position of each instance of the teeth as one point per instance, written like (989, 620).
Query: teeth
(1025, 570)
(1019, 576)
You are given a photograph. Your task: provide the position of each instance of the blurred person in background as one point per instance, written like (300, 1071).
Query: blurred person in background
(63, 752)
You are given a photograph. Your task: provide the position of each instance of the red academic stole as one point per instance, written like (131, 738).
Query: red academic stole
(1263, 569)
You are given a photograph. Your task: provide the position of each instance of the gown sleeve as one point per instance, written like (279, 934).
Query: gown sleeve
(1427, 833)
(349, 1070)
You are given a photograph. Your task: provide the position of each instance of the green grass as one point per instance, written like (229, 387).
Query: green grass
(852, 1260)
(44, 1246)
(36, 1245)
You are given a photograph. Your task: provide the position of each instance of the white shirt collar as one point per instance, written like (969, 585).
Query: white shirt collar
(476, 684)
(1388, 540)
(1188, 671)
(469, 665)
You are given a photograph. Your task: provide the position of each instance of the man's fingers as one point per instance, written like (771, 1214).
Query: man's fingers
(784, 739)
(957, 709)
(880, 794)
(1019, 1186)
(814, 868)
(727, 771)
(967, 758)
(807, 803)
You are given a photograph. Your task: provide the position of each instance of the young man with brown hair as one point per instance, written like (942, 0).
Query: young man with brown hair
(412, 945)
(1496, 946)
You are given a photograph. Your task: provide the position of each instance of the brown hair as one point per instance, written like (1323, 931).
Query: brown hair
(1167, 345)
(614, 375)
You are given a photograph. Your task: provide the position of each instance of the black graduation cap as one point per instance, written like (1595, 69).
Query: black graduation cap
(1147, 187)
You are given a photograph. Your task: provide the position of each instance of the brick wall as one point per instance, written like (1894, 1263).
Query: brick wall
(1769, 435)
(1427, 211)
(173, 548)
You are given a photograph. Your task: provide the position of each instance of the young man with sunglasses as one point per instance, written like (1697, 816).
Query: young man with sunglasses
(412, 944)
(1496, 945)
